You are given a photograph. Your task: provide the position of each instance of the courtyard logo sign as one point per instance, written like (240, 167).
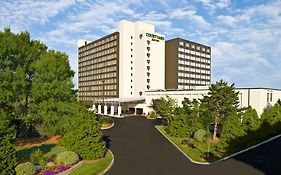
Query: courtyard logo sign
(155, 37)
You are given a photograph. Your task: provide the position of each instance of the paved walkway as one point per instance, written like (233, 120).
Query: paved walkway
(139, 149)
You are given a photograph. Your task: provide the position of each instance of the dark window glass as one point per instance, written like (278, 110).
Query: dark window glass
(148, 87)
(148, 42)
(148, 67)
(148, 48)
(148, 55)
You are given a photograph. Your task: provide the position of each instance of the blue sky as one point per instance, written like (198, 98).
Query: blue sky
(245, 35)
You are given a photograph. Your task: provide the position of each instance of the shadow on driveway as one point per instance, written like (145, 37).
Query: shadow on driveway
(139, 149)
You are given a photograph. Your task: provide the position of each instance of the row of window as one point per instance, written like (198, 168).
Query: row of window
(199, 82)
(188, 75)
(199, 65)
(97, 82)
(97, 66)
(98, 43)
(98, 71)
(96, 54)
(189, 45)
(97, 49)
(198, 54)
(98, 93)
(98, 76)
(197, 70)
(98, 88)
(98, 60)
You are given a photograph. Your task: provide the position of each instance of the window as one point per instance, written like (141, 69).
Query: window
(131, 93)
(148, 80)
(131, 49)
(148, 42)
(131, 80)
(148, 87)
(148, 61)
(131, 62)
(148, 67)
(131, 56)
(148, 55)
(271, 97)
(131, 87)
(131, 43)
(131, 37)
(148, 48)
(131, 74)
(148, 74)
(131, 68)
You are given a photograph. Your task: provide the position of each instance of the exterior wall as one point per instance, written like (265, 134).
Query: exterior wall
(98, 68)
(193, 62)
(135, 64)
(257, 98)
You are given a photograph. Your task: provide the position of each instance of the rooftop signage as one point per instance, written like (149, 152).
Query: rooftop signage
(155, 36)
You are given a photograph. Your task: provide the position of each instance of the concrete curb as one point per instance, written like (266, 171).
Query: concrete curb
(111, 126)
(247, 149)
(112, 161)
(200, 163)
(223, 159)
(70, 170)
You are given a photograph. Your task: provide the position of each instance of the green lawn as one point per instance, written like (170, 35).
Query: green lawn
(198, 152)
(24, 152)
(94, 168)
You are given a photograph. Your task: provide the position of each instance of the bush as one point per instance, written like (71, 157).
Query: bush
(67, 158)
(200, 135)
(25, 169)
(184, 142)
(153, 115)
(84, 137)
(105, 120)
(38, 157)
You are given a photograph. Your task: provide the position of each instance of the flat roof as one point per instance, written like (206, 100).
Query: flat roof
(122, 100)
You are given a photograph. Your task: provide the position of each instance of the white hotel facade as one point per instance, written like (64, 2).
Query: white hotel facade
(123, 71)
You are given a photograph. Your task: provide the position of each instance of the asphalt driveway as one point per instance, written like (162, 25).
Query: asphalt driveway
(139, 149)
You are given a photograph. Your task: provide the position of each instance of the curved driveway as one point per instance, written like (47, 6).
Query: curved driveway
(139, 149)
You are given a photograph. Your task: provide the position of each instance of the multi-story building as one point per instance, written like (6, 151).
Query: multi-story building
(187, 65)
(123, 64)
(98, 68)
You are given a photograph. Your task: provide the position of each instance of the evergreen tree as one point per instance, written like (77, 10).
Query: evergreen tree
(8, 160)
(84, 136)
(167, 107)
(221, 101)
(231, 130)
(250, 120)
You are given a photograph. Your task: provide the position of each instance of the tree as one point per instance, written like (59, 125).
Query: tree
(84, 136)
(221, 101)
(167, 107)
(231, 130)
(179, 126)
(250, 120)
(51, 94)
(17, 54)
(279, 102)
(8, 160)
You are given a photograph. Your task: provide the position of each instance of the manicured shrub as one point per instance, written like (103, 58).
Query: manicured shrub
(67, 158)
(38, 157)
(153, 115)
(184, 142)
(84, 137)
(25, 169)
(200, 135)
(105, 120)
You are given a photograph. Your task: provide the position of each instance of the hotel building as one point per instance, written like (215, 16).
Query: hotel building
(188, 64)
(121, 65)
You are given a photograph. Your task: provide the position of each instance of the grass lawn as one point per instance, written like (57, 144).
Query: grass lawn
(94, 167)
(198, 152)
(24, 152)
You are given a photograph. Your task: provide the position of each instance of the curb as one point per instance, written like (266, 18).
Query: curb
(247, 149)
(70, 170)
(111, 126)
(112, 161)
(200, 163)
(225, 158)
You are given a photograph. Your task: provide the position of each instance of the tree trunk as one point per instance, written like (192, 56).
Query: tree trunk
(215, 129)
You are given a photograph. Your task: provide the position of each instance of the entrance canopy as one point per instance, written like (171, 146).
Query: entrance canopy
(122, 100)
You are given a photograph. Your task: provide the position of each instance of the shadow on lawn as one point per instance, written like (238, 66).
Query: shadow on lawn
(24, 154)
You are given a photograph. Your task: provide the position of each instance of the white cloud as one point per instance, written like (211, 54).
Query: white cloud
(21, 14)
(191, 15)
(229, 20)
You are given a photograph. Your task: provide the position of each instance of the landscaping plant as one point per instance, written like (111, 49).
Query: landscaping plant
(37, 157)
(67, 158)
(25, 169)
(200, 135)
